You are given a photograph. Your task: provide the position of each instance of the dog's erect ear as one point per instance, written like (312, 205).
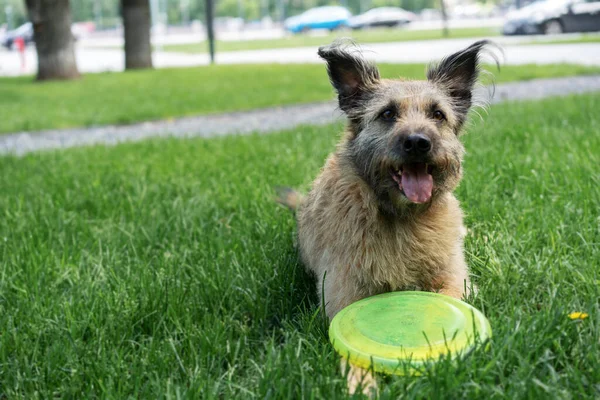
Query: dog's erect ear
(350, 74)
(458, 73)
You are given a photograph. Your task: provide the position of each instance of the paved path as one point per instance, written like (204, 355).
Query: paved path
(263, 120)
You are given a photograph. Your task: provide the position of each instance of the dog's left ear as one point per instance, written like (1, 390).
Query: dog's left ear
(457, 75)
(350, 74)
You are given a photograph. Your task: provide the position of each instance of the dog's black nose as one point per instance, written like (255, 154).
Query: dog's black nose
(417, 144)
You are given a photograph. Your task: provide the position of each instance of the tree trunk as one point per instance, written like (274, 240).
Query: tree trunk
(445, 31)
(51, 21)
(210, 31)
(136, 23)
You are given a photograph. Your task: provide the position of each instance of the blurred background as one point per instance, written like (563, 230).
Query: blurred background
(177, 33)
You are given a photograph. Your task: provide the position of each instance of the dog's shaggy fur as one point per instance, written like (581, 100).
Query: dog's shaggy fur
(381, 215)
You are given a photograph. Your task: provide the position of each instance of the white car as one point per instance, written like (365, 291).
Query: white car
(382, 16)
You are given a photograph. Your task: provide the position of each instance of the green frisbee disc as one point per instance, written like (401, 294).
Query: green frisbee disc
(397, 332)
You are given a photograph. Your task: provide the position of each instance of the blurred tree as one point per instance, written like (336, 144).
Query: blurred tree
(82, 10)
(411, 5)
(104, 13)
(227, 7)
(210, 31)
(136, 29)
(251, 10)
(53, 38)
(12, 13)
(248, 10)
(445, 31)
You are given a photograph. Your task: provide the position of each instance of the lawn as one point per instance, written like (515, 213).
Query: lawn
(121, 98)
(163, 269)
(380, 35)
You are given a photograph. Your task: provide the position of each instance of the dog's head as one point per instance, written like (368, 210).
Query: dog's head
(403, 135)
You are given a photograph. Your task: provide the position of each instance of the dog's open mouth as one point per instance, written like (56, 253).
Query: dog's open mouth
(415, 181)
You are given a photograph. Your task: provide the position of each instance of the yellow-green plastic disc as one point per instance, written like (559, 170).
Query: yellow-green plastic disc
(392, 330)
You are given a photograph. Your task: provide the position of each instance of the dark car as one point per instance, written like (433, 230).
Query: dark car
(25, 31)
(553, 17)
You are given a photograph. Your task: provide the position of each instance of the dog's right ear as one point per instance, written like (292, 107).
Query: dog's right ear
(350, 74)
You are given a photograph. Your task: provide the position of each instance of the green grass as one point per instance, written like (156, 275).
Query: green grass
(121, 98)
(380, 35)
(589, 38)
(163, 269)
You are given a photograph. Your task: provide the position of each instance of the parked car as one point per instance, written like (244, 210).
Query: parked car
(25, 31)
(328, 17)
(381, 16)
(553, 17)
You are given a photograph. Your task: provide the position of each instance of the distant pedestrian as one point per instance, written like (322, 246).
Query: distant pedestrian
(20, 46)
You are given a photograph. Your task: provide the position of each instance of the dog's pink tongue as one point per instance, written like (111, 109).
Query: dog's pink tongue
(417, 183)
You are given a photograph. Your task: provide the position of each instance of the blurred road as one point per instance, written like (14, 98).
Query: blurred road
(100, 60)
(425, 51)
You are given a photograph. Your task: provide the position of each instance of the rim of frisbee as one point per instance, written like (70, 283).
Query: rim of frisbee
(404, 363)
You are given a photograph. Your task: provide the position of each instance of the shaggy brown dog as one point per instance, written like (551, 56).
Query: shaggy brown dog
(381, 216)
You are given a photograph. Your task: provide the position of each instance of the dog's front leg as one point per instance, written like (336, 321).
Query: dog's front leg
(337, 294)
(454, 291)
(359, 378)
(457, 286)
(454, 282)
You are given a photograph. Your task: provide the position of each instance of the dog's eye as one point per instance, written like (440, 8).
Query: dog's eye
(438, 115)
(388, 115)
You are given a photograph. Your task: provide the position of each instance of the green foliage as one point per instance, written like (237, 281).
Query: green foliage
(164, 269)
(17, 13)
(411, 5)
(118, 98)
(248, 10)
(107, 15)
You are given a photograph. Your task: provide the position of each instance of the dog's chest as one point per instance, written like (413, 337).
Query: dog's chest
(341, 231)
(404, 255)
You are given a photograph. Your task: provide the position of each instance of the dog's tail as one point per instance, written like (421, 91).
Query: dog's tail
(289, 197)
